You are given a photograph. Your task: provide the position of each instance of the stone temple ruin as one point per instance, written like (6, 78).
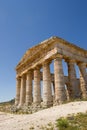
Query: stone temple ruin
(35, 84)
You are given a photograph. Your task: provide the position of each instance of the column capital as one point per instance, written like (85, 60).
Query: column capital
(58, 56)
(18, 78)
(70, 61)
(81, 64)
(23, 76)
(37, 67)
(29, 72)
(46, 63)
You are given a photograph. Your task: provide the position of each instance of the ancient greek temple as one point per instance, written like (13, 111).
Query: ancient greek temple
(35, 84)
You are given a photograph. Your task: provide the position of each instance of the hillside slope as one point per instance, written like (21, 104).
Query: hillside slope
(5, 106)
(41, 118)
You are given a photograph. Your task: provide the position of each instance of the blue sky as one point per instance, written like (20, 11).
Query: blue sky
(25, 23)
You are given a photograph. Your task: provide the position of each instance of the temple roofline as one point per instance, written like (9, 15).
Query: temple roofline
(42, 45)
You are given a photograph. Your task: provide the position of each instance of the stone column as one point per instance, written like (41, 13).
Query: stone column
(47, 92)
(23, 90)
(68, 91)
(83, 79)
(36, 88)
(29, 88)
(60, 93)
(72, 79)
(18, 86)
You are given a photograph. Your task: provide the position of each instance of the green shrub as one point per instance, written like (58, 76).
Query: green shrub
(62, 123)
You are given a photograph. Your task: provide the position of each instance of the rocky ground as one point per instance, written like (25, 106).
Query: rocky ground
(40, 119)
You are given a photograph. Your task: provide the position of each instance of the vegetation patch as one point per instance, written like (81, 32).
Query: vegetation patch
(78, 122)
(6, 106)
(71, 122)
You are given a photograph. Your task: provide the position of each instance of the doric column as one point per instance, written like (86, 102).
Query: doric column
(68, 91)
(83, 79)
(18, 86)
(72, 79)
(23, 90)
(60, 94)
(47, 92)
(29, 88)
(36, 88)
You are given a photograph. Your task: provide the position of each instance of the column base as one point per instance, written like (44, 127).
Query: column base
(28, 103)
(84, 95)
(20, 105)
(36, 103)
(47, 104)
(58, 102)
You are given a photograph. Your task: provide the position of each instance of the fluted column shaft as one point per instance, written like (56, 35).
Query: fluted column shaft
(23, 90)
(47, 92)
(83, 79)
(36, 88)
(18, 86)
(72, 79)
(29, 88)
(60, 94)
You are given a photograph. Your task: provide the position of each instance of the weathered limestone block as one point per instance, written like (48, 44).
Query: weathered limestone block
(36, 88)
(23, 90)
(72, 79)
(47, 92)
(18, 86)
(60, 94)
(29, 88)
(83, 79)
